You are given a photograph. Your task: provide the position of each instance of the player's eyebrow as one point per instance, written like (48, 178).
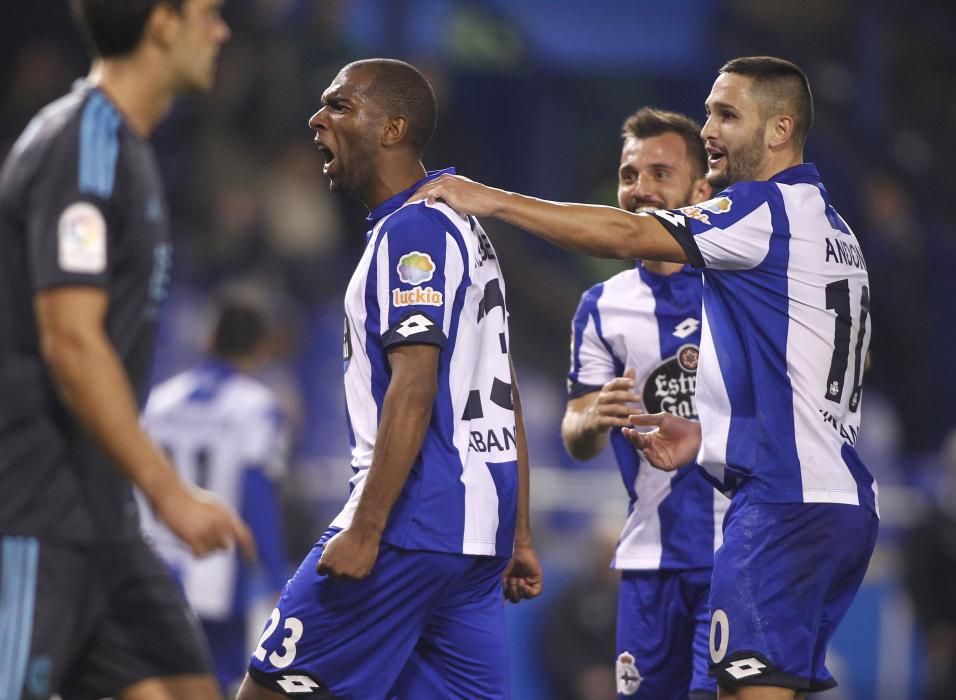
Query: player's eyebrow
(716, 104)
(333, 95)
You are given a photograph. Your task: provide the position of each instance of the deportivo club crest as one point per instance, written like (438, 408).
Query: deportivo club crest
(672, 384)
(628, 677)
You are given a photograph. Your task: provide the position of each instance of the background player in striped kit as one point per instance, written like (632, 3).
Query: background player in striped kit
(225, 432)
(86, 609)
(401, 598)
(785, 335)
(635, 345)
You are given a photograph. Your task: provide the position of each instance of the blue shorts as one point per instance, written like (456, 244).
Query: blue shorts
(421, 626)
(663, 626)
(783, 580)
(229, 649)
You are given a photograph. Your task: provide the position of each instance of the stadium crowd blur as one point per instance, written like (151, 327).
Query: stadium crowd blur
(532, 95)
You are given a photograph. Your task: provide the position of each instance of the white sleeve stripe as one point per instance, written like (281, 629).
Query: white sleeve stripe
(382, 283)
(742, 245)
(454, 273)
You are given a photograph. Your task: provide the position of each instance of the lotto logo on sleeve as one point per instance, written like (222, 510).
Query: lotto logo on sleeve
(414, 324)
(415, 268)
(297, 684)
(81, 234)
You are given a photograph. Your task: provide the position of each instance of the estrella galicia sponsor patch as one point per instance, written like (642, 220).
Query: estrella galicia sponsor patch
(672, 385)
(628, 677)
(415, 268)
(81, 234)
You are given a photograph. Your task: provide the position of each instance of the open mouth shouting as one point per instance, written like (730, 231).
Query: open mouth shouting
(714, 155)
(328, 155)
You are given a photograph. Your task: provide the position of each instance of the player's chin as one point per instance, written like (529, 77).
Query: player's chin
(200, 83)
(336, 185)
(717, 179)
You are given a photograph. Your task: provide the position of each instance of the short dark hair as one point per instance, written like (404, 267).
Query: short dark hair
(650, 121)
(779, 82)
(400, 89)
(114, 28)
(240, 329)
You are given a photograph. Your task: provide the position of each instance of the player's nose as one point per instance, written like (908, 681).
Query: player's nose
(315, 121)
(643, 187)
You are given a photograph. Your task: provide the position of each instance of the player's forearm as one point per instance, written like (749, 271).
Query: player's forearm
(583, 439)
(600, 231)
(523, 521)
(91, 381)
(406, 413)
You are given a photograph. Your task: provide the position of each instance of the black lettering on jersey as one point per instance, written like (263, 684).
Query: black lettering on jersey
(501, 394)
(476, 442)
(844, 253)
(493, 298)
(473, 408)
(831, 252)
(492, 440)
(849, 433)
(510, 440)
(485, 251)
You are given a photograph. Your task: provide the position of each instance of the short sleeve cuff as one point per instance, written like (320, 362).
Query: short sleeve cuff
(676, 225)
(414, 328)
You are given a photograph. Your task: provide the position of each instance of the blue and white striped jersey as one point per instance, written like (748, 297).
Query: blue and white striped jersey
(224, 432)
(786, 332)
(650, 322)
(429, 275)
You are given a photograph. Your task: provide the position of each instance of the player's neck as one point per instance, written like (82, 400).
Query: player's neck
(659, 267)
(389, 181)
(142, 95)
(778, 162)
(245, 364)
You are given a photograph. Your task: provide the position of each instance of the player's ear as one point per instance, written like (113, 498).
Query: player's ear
(701, 190)
(395, 130)
(163, 24)
(780, 130)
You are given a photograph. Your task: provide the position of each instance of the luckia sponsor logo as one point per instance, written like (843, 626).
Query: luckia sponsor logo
(417, 297)
(415, 268)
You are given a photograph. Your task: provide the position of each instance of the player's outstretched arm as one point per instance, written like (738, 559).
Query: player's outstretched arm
(91, 380)
(588, 419)
(604, 232)
(406, 412)
(674, 442)
(523, 578)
